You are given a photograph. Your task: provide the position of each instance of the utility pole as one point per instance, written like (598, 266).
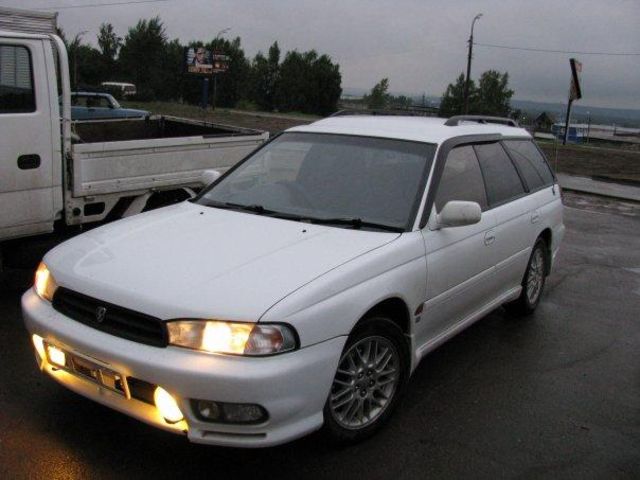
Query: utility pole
(215, 75)
(466, 83)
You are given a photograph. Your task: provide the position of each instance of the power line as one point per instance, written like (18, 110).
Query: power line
(614, 54)
(96, 5)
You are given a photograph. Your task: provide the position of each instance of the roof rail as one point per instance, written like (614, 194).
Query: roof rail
(455, 121)
(409, 112)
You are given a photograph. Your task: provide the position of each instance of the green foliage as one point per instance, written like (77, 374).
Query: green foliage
(264, 78)
(305, 82)
(108, 42)
(452, 102)
(491, 97)
(379, 96)
(142, 56)
(232, 84)
(308, 83)
(85, 63)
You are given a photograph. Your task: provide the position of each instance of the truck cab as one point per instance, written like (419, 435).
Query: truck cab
(30, 150)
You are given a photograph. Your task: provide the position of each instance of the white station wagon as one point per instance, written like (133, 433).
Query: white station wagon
(302, 288)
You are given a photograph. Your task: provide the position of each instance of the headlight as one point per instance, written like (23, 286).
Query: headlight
(216, 336)
(45, 285)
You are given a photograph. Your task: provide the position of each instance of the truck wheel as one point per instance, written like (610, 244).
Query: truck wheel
(371, 375)
(532, 282)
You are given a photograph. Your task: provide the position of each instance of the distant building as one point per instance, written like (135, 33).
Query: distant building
(595, 133)
(543, 122)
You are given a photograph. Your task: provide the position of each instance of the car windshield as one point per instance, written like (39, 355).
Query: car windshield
(349, 181)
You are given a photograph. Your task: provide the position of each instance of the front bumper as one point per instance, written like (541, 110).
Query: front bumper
(292, 387)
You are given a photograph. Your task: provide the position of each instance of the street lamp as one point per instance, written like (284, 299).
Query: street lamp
(223, 31)
(466, 83)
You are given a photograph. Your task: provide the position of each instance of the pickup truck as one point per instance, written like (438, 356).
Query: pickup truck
(55, 173)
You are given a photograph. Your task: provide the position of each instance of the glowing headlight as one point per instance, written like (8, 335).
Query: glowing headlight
(45, 285)
(216, 336)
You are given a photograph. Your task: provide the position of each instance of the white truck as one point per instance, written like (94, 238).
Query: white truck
(55, 173)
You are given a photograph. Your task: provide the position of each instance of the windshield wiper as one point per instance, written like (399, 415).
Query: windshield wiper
(254, 208)
(259, 209)
(356, 223)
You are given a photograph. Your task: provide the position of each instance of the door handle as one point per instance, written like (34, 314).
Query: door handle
(489, 237)
(28, 162)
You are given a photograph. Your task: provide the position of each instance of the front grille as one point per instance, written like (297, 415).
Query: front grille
(110, 318)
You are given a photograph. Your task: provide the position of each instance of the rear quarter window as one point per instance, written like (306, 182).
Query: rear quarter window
(531, 162)
(500, 176)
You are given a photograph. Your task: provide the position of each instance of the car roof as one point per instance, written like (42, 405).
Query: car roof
(92, 94)
(420, 129)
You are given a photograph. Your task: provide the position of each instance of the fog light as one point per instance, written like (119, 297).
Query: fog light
(221, 412)
(38, 343)
(56, 356)
(208, 410)
(167, 405)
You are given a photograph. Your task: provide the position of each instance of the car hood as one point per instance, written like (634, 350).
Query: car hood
(190, 261)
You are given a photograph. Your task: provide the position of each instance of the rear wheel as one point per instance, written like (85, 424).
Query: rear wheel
(533, 281)
(371, 374)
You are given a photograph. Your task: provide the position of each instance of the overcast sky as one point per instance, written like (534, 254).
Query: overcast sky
(420, 45)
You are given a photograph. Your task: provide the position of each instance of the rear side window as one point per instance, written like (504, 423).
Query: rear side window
(461, 179)
(500, 176)
(16, 80)
(532, 165)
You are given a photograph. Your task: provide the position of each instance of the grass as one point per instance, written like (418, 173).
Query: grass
(273, 122)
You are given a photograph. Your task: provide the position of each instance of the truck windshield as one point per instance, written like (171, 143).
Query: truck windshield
(349, 181)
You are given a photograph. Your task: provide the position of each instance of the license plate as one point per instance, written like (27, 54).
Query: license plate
(103, 376)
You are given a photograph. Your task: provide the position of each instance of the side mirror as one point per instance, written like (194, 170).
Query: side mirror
(209, 176)
(458, 214)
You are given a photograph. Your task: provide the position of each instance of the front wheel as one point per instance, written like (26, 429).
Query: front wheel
(533, 281)
(371, 374)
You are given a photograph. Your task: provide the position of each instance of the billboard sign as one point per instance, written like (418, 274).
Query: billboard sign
(575, 92)
(200, 61)
(220, 61)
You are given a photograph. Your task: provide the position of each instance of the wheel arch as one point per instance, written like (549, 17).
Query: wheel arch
(547, 236)
(395, 308)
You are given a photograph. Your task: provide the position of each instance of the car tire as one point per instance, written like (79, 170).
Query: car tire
(371, 376)
(532, 283)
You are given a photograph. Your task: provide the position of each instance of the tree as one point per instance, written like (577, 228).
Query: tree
(264, 78)
(325, 87)
(109, 42)
(491, 97)
(379, 96)
(452, 102)
(142, 57)
(84, 63)
(232, 85)
(308, 83)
